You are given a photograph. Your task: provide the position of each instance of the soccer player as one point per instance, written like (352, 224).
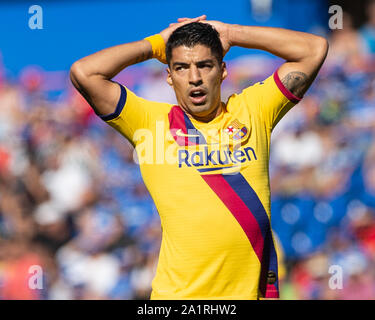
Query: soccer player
(207, 163)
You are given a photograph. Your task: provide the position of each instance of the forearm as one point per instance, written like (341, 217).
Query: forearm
(304, 53)
(290, 45)
(109, 62)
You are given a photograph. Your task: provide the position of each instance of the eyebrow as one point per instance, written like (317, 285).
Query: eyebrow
(177, 63)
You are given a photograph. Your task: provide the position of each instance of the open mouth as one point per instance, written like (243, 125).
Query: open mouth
(198, 96)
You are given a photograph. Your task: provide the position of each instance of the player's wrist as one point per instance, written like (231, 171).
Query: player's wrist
(158, 47)
(231, 33)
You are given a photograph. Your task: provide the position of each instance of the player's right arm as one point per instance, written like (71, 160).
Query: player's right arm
(92, 75)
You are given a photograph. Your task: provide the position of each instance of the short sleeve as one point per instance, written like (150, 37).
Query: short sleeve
(271, 99)
(133, 113)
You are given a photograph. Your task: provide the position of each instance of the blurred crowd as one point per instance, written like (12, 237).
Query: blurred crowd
(72, 200)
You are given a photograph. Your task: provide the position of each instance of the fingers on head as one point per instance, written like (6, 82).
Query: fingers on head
(200, 18)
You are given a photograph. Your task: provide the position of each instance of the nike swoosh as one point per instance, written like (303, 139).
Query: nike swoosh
(181, 134)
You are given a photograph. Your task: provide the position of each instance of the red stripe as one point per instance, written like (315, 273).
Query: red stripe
(271, 291)
(284, 90)
(176, 122)
(239, 210)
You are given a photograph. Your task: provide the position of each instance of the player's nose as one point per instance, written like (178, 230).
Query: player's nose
(195, 76)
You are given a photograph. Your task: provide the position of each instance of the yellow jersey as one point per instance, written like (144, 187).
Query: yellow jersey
(210, 184)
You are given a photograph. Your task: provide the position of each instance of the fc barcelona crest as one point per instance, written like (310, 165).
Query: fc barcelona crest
(236, 130)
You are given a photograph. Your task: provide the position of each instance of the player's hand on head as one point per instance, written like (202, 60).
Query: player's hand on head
(189, 20)
(180, 22)
(223, 30)
(220, 27)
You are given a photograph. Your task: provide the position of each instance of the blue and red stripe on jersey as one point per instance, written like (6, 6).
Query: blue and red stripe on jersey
(242, 201)
(179, 123)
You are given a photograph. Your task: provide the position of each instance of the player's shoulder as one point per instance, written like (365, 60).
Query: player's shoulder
(263, 84)
(250, 92)
(133, 107)
(153, 106)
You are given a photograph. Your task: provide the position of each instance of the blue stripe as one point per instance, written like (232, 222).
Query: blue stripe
(188, 123)
(119, 107)
(250, 198)
(190, 129)
(240, 185)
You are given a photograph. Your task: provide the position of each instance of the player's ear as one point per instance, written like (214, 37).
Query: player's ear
(169, 77)
(224, 71)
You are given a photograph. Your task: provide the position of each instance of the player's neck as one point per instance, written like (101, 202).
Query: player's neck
(211, 116)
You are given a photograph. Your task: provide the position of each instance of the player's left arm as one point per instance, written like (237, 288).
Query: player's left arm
(304, 52)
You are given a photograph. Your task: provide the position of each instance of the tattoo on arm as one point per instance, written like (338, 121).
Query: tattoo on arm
(143, 57)
(296, 82)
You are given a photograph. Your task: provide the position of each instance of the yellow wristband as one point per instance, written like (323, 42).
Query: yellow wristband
(158, 47)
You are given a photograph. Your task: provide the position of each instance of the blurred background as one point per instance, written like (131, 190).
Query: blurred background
(72, 198)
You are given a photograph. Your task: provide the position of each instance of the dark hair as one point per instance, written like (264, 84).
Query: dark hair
(192, 34)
